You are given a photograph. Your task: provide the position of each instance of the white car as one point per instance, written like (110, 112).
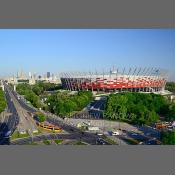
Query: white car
(115, 133)
(140, 143)
(99, 134)
(134, 134)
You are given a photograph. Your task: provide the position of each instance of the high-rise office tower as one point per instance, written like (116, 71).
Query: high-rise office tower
(48, 74)
(30, 75)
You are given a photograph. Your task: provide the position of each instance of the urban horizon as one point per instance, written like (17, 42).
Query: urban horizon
(66, 50)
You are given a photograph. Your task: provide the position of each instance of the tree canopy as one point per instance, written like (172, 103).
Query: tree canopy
(26, 90)
(170, 86)
(41, 87)
(168, 137)
(2, 101)
(138, 108)
(40, 117)
(63, 103)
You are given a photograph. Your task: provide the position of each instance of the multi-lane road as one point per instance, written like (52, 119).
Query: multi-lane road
(26, 122)
(11, 119)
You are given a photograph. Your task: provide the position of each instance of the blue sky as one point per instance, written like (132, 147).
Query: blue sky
(83, 50)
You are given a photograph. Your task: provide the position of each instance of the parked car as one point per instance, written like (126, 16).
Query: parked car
(99, 134)
(115, 133)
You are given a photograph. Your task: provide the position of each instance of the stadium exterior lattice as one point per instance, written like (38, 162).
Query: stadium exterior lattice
(117, 80)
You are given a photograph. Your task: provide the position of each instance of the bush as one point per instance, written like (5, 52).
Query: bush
(170, 86)
(41, 117)
(168, 137)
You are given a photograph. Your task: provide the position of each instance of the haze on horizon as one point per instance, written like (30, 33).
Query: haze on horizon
(61, 50)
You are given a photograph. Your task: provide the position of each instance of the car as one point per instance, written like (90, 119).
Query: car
(99, 134)
(115, 133)
(140, 143)
(134, 134)
(101, 141)
(124, 130)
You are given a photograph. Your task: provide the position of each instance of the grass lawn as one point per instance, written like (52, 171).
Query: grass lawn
(58, 142)
(17, 135)
(79, 143)
(46, 142)
(107, 139)
(131, 141)
(32, 143)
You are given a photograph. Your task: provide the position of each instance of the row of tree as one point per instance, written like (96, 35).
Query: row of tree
(64, 104)
(29, 94)
(138, 108)
(2, 101)
(41, 87)
(170, 86)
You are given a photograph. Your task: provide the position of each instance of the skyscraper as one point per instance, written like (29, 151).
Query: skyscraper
(48, 74)
(39, 77)
(30, 75)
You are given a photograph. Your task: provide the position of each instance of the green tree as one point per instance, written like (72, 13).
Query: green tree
(168, 137)
(170, 86)
(41, 117)
(136, 108)
(64, 104)
(3, 103)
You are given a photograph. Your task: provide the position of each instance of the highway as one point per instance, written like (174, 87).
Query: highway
(11, 119)
(26, 122)
(98, 104)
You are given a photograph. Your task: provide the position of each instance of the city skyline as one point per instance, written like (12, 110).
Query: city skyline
(55, 51)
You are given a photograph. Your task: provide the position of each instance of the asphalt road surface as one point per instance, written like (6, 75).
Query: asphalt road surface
(11, 121)
(26, 122)
(43, 137)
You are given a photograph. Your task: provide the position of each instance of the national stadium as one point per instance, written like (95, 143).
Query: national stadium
(117, 80)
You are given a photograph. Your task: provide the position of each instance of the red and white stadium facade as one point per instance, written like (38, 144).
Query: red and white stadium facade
(134, 80)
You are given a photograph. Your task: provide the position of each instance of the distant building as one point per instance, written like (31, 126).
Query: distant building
(48, 74)
(30, 75)
(39, 77)
(53, 77)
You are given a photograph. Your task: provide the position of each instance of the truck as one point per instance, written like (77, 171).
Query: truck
(161, 126)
